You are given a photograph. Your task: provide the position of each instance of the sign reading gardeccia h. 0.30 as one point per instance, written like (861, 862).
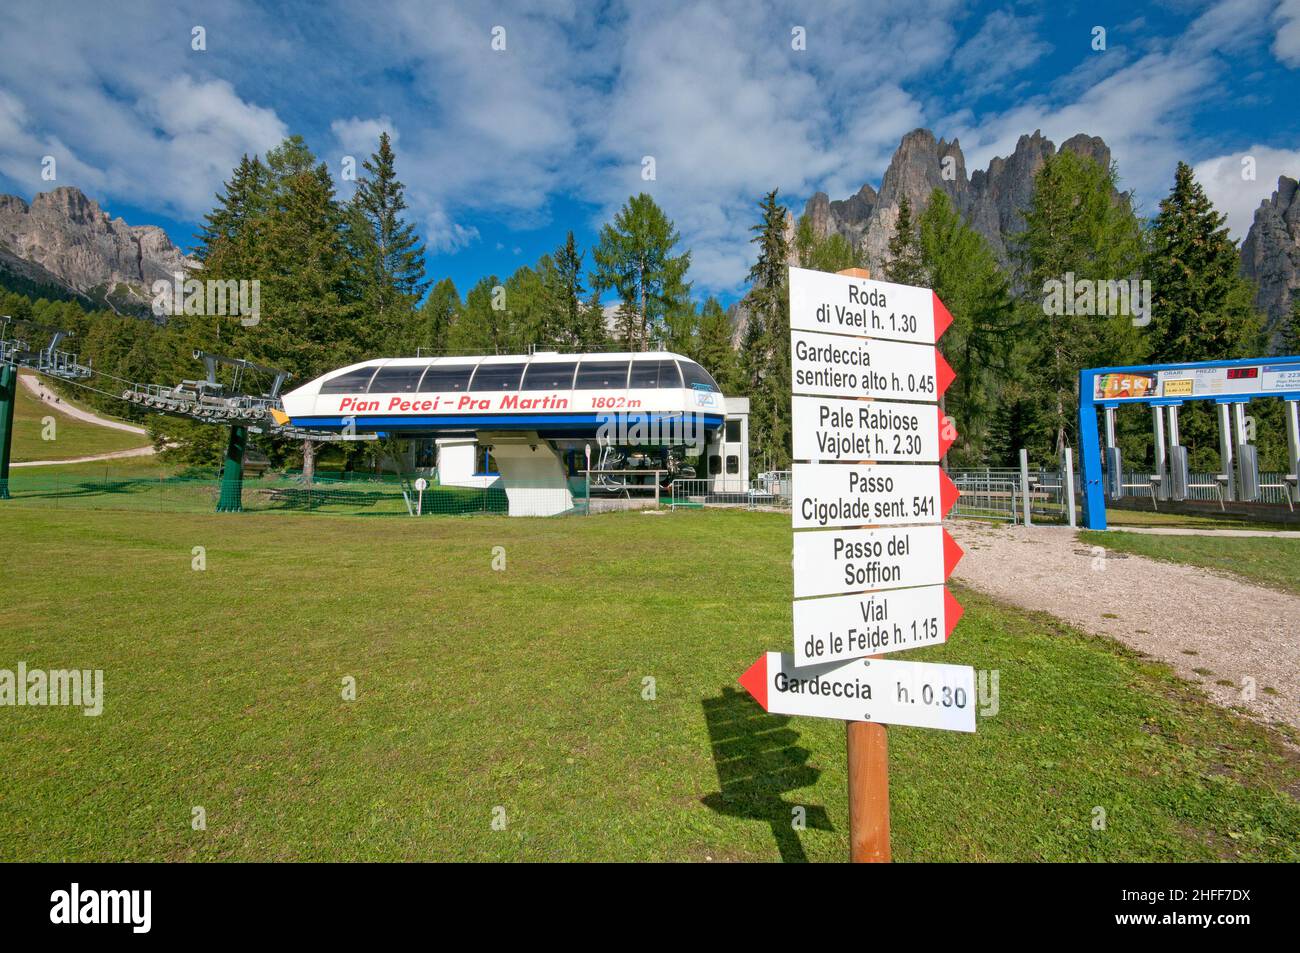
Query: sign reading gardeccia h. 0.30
(870, 553)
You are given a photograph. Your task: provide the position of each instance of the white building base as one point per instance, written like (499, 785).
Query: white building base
(532, 474)
(458, 463)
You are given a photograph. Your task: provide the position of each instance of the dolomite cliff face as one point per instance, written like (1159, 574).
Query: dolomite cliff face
(1271, 255)
(993, 200)
(65, 239)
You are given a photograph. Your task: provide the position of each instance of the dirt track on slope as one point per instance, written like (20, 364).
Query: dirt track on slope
(52, 400)
(1189, 617)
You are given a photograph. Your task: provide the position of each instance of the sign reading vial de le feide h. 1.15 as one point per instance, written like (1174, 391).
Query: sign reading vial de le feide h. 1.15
(837, 366)
(923, 694)
(838, 628)
(839, 304)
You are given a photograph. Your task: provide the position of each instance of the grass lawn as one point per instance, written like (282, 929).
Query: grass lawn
(520, 694)
(1268, 561)
(107, 471)
(151, 486)
(1118, 517)
(72, 437)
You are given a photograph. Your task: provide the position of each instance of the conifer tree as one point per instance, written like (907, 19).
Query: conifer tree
(767, 342)
(480, 328)
(311, 314)
(593, 335)
(228, 226)
(905, 265)
(437, 315)
(712, 346)
(390, 257)
(635, 257)
(954, 260)
(1078, 226)
(568, 292)
(1291, 328)
(832, 253)
(1202, 305)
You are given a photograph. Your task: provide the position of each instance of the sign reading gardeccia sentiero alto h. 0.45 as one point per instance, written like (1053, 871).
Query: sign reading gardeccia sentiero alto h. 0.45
(870, 553)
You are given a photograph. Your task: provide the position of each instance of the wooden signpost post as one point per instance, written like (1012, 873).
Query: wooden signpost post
(870, 553)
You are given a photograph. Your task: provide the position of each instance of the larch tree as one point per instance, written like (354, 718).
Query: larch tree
(635, 257)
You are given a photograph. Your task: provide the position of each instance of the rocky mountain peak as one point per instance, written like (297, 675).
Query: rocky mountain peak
(1271, 255)
(992, 199)
(67, 204)
(65, 239)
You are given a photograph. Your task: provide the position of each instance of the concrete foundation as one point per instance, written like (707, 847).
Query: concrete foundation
(532, 473)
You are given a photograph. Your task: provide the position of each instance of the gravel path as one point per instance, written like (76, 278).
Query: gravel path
(1186, 616)
(95, 458)
(51, 399)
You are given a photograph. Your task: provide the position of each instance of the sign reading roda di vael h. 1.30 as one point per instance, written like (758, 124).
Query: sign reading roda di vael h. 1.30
(870, 553)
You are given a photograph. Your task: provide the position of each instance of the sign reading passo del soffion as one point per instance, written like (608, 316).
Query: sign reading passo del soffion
(870, 553)
(840, 304)
(828, 562)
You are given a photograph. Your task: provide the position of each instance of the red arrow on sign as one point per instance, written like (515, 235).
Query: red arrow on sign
(952, 613)
(755, 680)
(948, 494)
(943, 373)
(952, 554)
(942, 318)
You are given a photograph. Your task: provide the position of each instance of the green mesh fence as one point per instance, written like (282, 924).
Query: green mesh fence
(348, 495)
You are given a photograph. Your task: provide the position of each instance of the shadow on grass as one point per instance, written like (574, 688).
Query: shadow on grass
(757, 761)
(199, 496)
(310, 498)
(81, 488)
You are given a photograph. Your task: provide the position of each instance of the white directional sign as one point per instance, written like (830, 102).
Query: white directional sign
(850, 495)
(830, 562)
(922, 694)
(840, 304)
(838, 628)
(830, 428)
(862, 367)
(870, 554)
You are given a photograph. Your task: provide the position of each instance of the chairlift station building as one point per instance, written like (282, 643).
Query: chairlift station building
(535, 417)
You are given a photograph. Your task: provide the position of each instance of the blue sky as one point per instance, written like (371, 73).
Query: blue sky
(503, 151)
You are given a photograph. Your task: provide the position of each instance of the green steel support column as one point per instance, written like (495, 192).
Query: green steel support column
(232, 476)
(8, 391)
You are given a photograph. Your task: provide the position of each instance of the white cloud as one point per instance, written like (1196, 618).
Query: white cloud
(150, 129)
(1237, 196)
(361, 136)
(1286, 44)
(714, 92)
(202, 129)
(23, 151)
(1004, 45)
(712, 89)
(1142, 110)
(441, 234)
